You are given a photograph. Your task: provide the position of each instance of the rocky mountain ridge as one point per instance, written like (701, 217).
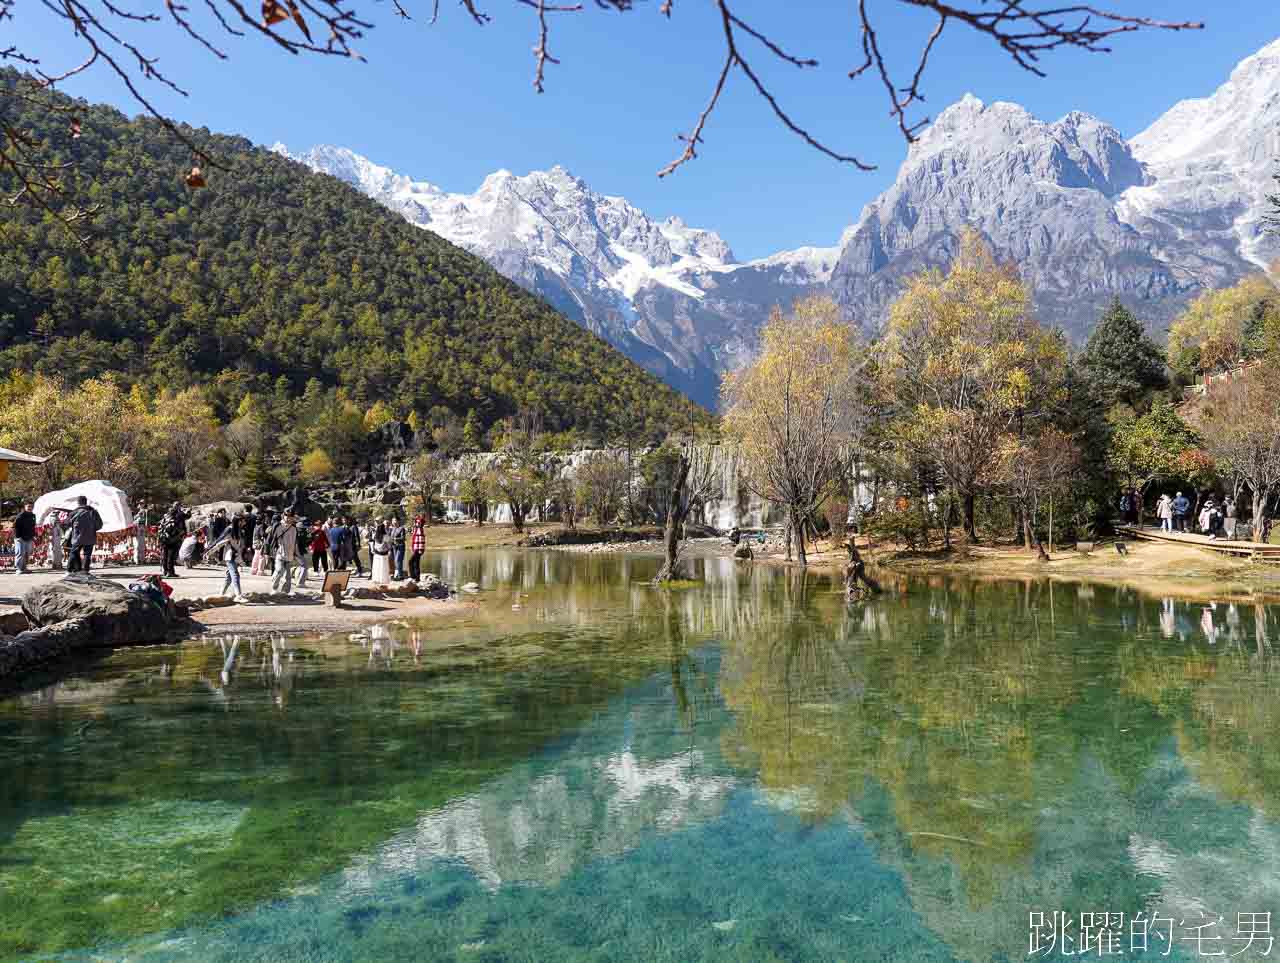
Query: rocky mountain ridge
(1085, 213)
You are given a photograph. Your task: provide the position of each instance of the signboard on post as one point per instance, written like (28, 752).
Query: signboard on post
(335, 583)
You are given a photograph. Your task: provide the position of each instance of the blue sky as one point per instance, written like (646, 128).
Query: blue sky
(452, 102)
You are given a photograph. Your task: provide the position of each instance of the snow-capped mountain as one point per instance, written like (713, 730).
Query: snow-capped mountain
(1084, 213)
(673, 297)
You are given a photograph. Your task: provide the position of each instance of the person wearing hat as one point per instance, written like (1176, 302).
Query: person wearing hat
(285, 536)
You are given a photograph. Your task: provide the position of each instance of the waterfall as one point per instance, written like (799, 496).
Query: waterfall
(731, 505)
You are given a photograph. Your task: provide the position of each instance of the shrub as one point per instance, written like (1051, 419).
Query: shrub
(316, 466)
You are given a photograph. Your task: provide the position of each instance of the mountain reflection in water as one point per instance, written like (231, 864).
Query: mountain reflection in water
(750, 769)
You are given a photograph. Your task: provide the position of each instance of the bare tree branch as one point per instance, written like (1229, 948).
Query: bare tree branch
(112, 35)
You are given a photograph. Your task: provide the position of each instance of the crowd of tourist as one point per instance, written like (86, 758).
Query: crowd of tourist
(279, 543)
(1215, 516)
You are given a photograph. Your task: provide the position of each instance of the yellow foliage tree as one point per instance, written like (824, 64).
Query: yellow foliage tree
(788, 410)
(1220, 328)
(96, 430)
(377, 416)
(316, 466)
(967, 365)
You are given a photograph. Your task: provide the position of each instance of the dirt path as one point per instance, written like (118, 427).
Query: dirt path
(302, 613)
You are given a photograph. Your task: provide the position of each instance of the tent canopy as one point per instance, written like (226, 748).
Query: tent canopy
(21, 458)
(112, 504)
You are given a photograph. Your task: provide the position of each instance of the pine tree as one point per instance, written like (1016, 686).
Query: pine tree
(1123, 364)
(471, 431)
(255, 476)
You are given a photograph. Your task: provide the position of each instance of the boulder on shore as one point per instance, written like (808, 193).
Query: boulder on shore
(112, 614)
(77, 613)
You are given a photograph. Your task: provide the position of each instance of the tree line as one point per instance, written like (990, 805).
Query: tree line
(970, 414)
(291, 302)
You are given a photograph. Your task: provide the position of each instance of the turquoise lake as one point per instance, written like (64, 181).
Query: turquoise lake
(589, 768)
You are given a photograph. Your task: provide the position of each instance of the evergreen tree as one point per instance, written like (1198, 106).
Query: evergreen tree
(1123, 364)
(255, 476)
(284, 284)
(471, 432)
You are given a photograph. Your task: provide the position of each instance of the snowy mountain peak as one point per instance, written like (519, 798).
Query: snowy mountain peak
(1215, 153)
(1084, 213)
(1242, 110)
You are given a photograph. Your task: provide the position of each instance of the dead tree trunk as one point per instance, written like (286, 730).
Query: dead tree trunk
(857, 583)
(677, 509)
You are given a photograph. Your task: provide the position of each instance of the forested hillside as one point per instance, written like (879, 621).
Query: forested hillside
(272, 277)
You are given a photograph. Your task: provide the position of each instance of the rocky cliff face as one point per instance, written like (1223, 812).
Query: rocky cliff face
(1083, 212)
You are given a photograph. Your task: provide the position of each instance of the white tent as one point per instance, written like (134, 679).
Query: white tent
(112, 503)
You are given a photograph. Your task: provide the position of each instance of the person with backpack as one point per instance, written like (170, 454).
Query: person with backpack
(171, 531)
(282, 545)
(83, 526)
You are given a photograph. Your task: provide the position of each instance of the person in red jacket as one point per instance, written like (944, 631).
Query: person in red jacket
(319, 548)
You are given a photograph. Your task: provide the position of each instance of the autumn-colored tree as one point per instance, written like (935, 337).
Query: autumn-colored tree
(1219, 329)
(316, 466)
(425, 476)
(968, 366)
(602, 479)
(1239, 423)
(97, 430)
(187, 430)
(787, 412)
(379, 414)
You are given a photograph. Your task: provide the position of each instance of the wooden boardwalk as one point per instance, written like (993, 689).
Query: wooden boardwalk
(1256, 551)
